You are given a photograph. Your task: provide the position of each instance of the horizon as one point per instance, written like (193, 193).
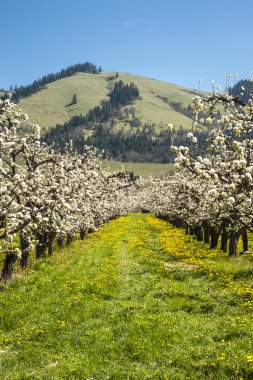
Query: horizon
(171, 42)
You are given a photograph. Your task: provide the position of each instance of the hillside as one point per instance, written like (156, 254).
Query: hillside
(160, 102)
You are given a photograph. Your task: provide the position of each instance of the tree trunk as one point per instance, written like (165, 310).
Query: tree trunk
(191, 230)
(224, 239)
(60, 241)
(9, 263)
(245, 241)
(234, 236)
(69, 239)
(82, 234)
(224, 242)
(214, 238)
(199, 233)
(50, 243)
(206, 234)
(178, 223)
(24, 245)
(41, 246)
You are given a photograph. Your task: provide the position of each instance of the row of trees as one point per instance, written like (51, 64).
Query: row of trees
(211, 195)
(37, 85)
(47, 196)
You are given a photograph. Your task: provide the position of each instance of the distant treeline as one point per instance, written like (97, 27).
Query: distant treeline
(37, 85)
(244, 87)
(142, 146)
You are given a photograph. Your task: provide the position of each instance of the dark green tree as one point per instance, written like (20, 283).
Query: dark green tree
(74, 99)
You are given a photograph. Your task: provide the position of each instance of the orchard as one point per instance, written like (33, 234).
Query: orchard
(211, 195)
(47, 196)
(140, 296)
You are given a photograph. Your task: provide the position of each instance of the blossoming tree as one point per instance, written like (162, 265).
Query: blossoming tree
(46, 195)
(212, 194)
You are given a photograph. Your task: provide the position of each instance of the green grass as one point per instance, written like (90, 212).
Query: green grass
(49, 105)
(151, 108)
(121, 306)
(144, 169)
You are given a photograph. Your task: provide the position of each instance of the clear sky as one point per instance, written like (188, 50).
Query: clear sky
(174, 41)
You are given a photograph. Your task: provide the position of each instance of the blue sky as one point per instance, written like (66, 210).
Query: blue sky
(174, 41)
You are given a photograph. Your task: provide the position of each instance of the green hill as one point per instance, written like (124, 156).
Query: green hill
(124, 115)
(160, 102)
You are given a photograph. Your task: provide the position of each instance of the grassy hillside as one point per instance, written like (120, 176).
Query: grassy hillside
(51, 105)
(137, 300)
(157, 99)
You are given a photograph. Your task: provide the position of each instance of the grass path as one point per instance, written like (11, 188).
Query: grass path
(130, 303)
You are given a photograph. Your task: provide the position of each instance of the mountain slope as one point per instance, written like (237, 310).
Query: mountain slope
(51, 105)
(160, 102)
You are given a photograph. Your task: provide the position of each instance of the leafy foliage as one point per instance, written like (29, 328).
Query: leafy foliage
(142, 146)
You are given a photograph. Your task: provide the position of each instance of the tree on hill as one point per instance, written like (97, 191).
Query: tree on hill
(74, 99)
